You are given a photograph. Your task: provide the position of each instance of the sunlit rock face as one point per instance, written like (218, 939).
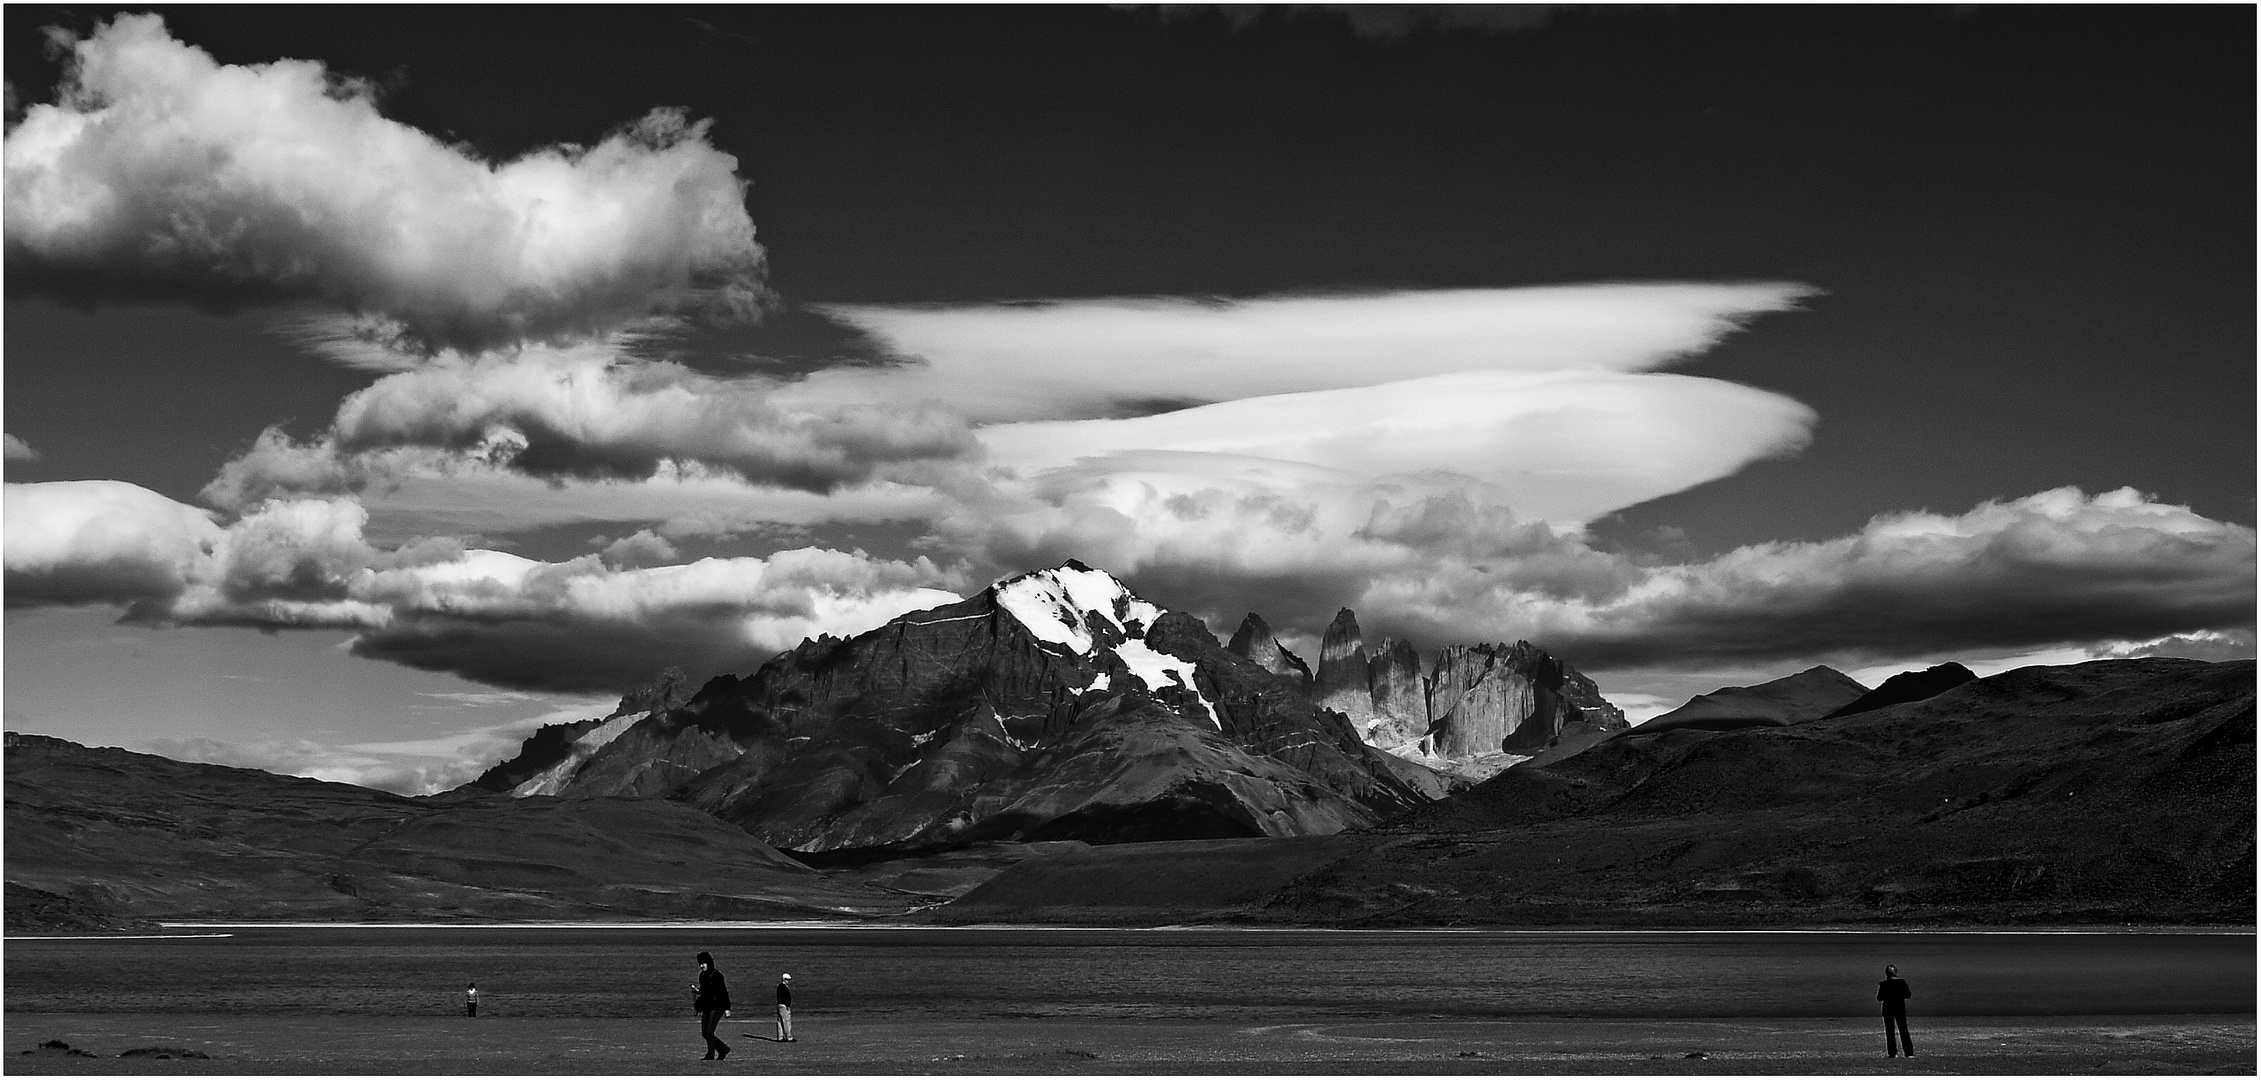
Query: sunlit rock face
(555, 753)
(1341, 681)
(1399, 695)
(1056, 705)
(1481, 709)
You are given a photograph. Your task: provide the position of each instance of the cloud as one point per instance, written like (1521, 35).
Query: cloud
(1442, 559)
(161, 173)
(2216, 645)
(409, 767)
(642, 548)
(15, 449)
(592, 413)
(1081, 359)
(99, 541)
(1537, 391)
(1567, 446)
(494, 617)
(2058, 567)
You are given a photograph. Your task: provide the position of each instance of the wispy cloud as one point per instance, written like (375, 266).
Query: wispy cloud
(15, 449)
(1080, 359)
(160, 172)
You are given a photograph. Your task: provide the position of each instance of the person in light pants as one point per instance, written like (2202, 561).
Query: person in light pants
(785, 1007)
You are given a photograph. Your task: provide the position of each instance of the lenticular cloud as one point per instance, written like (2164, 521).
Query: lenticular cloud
(161, 172)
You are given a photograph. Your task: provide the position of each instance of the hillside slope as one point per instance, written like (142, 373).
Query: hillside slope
(2113, 791)
(104, 837)
(1808, 695)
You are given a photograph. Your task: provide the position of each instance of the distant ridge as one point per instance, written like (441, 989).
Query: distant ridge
(1807, 695)
(1909, 686)
(99, 837)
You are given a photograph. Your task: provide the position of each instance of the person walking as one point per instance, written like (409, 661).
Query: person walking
(785, 1007)
(1893, 992)
(471, 1000)
(712, 1004)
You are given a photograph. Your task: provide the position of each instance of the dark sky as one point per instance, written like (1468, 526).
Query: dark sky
(2034, 225)
(2030, 232)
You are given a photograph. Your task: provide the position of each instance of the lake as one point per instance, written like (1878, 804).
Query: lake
(1233, 975)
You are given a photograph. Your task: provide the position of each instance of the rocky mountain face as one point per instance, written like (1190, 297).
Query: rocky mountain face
(1481, 708)
(102, 838)
(2100, 793)
(1909, 686)
(1052, 706)
(1808, 695)
(557, 751)
(1254, 640)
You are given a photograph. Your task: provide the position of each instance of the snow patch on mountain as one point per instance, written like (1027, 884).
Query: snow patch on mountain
(1160, 669)
(1057, 604)
(1052, 603)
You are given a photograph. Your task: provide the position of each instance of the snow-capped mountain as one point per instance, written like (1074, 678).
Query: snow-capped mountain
(1053, 705)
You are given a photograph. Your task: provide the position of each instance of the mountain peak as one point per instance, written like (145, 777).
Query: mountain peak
(1056, 604)
(1090, 611)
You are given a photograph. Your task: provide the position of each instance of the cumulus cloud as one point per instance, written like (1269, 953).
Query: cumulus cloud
(641, 548)
(591, 412)
(100, 541)
(162, 173)
(498, 618)
(1080, 359)
(2051, 568)
(1441, 559)
(15, 449)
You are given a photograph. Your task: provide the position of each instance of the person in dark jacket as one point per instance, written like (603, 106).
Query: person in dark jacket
(1893, 992)
(713, 1003)
(785, 1007)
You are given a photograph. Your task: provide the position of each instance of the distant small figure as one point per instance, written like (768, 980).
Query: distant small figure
(712, 1004)
(471, 1000)
(1893, 992)
(785, 1007)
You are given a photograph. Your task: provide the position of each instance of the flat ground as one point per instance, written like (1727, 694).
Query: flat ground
(849, 1045)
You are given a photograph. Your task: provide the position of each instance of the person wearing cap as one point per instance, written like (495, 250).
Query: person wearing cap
(712, 1004)
(785, 1007)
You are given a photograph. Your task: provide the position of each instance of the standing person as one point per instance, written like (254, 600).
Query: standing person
(471, 1000)
(1893, 992)
(785, 1007)
(713, 1003)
